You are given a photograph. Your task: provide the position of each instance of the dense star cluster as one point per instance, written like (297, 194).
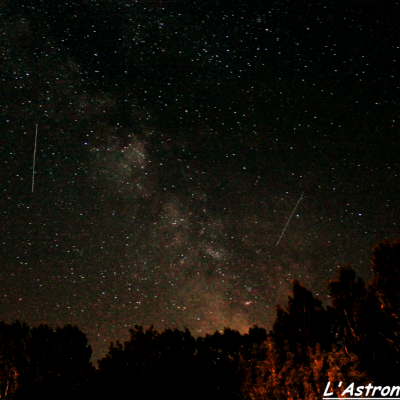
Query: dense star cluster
(174, 140)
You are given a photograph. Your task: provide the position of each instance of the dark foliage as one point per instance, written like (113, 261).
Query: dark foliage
(304, 322)
(365, 317)
(173, 362)
(40, 361)
(348, 314)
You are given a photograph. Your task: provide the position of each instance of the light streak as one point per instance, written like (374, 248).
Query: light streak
(287, 223)
(34, 160)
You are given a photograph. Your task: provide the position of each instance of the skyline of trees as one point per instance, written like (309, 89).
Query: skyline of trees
(355, 339)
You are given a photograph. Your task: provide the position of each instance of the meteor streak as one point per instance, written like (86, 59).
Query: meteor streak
(34, 159)
(287, 223)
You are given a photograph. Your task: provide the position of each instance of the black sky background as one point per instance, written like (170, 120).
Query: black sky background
(174, 140)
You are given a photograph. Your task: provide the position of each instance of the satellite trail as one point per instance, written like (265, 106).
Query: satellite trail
(287, 223)
(34, 159)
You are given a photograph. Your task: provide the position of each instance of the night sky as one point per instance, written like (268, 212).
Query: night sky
(174, 140)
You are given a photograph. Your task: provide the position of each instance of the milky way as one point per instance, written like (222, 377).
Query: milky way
(173, 144)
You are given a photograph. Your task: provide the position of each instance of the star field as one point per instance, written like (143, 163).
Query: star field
(174, 140)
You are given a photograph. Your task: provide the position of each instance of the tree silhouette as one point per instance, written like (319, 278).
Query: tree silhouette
(304, 322)
(12, 357)
(386, 284)
(348, 312)
(40, 361)
(150, 363)
(383, 307)
(218, 354)
(366, 317)
(181, 366)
